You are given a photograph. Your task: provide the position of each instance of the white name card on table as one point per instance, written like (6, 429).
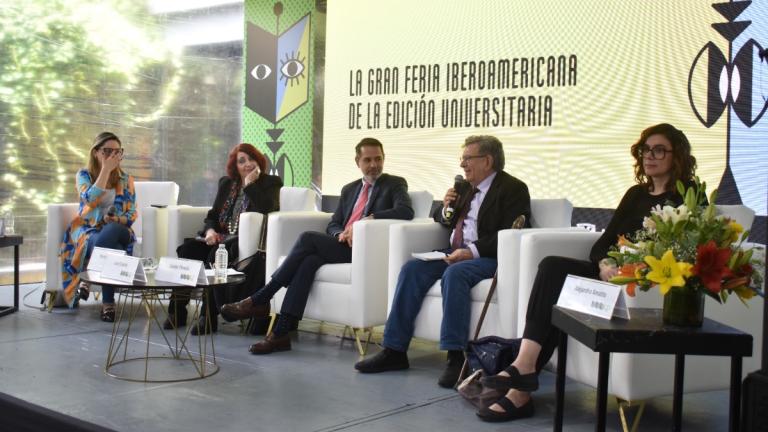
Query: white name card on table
(123, 268)
(593, 297)
(181, 271)
(99, 256)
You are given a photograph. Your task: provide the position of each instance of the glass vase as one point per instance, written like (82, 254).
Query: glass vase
(683, 307)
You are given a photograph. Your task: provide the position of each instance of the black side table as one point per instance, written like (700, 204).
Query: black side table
(15, 241)
(646, 334)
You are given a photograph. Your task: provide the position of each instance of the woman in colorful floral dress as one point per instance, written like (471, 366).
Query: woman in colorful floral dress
(107, 211)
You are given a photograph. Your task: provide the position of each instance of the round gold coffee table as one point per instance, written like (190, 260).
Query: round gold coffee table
(143, 351)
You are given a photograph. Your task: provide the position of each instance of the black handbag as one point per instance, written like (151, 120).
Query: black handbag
(491, 354)
(486, 356)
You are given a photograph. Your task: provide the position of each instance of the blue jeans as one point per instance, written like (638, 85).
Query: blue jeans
(112, 236)
(416, 277)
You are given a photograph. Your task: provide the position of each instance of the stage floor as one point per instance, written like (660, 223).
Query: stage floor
(57, 360)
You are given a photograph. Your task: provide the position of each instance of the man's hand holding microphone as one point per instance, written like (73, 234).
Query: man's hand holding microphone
(451, 196)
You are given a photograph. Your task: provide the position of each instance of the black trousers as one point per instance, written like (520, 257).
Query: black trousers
(297, 272)
(198, 250)
(546, 289)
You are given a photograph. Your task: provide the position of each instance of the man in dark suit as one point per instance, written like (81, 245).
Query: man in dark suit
(376, 196)
(489, 201)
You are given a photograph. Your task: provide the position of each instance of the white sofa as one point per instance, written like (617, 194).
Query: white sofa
(352, 294)
(636, 377)
(148, 193)
(185, 221)
(404, 239)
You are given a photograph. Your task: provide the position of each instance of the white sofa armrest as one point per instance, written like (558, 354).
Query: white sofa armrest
(249, 233)
(154, 232)
(183, 222)
(406, 238)
(370, 250)
(507, 288)
(537, 245)
(285, 227)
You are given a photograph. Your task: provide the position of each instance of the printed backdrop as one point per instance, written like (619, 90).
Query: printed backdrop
(567, 86)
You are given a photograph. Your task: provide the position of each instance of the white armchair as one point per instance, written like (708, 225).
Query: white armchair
(148, 226)
(636, 377)
(352, 294)
(186, 221)
(405, 239)
(740, 213)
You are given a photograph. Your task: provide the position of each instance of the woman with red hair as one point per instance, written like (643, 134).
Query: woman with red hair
(245, 188)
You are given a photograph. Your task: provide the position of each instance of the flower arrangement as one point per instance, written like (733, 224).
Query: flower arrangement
(688, 247)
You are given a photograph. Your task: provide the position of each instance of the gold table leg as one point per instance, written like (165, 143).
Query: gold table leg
(149, 300)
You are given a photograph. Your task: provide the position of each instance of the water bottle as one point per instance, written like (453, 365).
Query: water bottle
(220, 265)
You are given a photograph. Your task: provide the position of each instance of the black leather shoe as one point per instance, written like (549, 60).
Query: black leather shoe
(527, 383)
(199, 328)
(385, 360)
(452, 371)
(511, 412)
(174, 321)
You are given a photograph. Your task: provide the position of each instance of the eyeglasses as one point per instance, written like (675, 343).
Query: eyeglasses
(657, 152)
(108, 151)
(465, 159)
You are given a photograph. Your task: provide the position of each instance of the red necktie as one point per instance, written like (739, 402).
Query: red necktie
(458, 230)
(357, 211)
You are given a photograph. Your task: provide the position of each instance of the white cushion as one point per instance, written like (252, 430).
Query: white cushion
(742, 214)
(164, 193)
(297, 199)
(551, 213)
(421, 202)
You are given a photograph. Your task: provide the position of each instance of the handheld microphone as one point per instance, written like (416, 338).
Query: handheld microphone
(449, 211)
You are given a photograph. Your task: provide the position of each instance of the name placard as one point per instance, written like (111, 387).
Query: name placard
(123, 268)
(181, 271)
(99, 256)
(593, 297)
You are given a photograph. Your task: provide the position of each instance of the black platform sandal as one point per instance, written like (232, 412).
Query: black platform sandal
(523, 382)
(511, 412)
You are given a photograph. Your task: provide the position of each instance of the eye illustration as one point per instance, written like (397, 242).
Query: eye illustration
(292, 68)
(261, 72)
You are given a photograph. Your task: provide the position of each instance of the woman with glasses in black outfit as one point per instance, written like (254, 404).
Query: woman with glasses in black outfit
(246, 188)
(107, 211)
(662, 157)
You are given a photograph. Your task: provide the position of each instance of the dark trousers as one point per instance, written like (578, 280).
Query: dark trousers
(198, 250)
(297, 272)
(546, 289)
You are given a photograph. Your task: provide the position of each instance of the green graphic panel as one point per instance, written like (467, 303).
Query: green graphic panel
(293, 158)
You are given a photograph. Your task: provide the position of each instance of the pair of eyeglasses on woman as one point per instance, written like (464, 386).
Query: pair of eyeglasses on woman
(657, 152)
(110, 151)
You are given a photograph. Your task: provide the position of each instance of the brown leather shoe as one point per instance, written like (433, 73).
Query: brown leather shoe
(270, 344)
(244, 309)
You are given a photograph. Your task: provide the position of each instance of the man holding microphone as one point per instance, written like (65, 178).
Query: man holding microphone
(487, 201)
